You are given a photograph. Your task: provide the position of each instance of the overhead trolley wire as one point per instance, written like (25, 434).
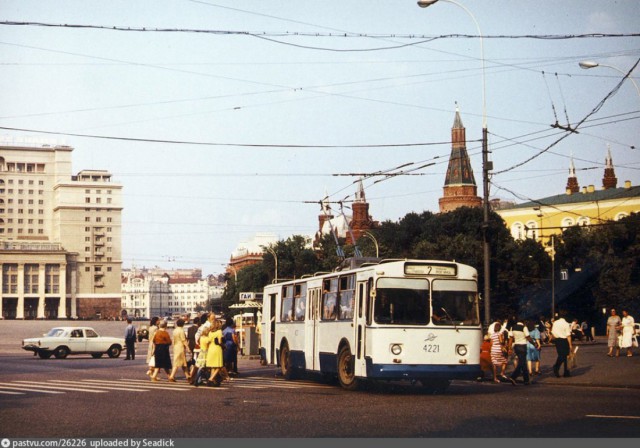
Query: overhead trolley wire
(584, 119)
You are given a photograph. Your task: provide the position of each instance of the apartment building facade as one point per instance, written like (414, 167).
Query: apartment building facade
(60, 236)
(163, 293)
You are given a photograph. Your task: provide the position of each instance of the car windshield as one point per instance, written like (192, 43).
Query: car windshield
(55, 332)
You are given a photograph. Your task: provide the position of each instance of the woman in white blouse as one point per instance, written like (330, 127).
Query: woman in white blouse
(627, 332)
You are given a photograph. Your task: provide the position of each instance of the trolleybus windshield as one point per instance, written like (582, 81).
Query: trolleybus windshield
(401, 301)
(454, 302)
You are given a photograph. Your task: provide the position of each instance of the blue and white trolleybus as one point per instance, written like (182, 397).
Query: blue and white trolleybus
(414, 320)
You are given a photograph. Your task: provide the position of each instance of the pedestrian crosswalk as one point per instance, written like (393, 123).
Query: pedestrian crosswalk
(99, 386)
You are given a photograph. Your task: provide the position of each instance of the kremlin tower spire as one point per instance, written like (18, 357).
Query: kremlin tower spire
(572, 182)
(460, 189)
(361, 221)
(609, 180)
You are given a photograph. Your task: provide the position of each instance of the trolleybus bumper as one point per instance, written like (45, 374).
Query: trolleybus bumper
(417, 372)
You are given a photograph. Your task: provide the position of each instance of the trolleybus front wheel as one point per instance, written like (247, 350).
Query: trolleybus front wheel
(346, 372)
(288, 372)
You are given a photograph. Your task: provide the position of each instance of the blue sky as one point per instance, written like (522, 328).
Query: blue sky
(288, 76)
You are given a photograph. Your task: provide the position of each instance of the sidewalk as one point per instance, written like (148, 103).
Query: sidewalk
(594, 368)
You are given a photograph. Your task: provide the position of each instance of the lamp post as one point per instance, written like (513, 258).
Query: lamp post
(375, 242)
(592, 64)
(486, 167)
(275, 257)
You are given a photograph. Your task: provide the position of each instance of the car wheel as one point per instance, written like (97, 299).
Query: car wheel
(61, 352)
(44, 355)
(96, 355)
(114, 351)
(346, 372)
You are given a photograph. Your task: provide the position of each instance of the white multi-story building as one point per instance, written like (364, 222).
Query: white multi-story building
(60, 236)
(157, 292)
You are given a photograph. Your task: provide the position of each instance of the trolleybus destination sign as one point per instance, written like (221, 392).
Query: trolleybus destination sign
(429, 269)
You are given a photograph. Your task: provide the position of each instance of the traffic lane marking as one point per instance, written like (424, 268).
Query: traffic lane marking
(73, 389)
(29, 389)
(6, 392)
(630, 417)
(106, 386)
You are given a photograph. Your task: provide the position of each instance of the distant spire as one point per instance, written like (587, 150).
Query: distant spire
(609, 160)
(457, 121)
(325, 207)
(572, 168)
(572, 182)
(460, 188)
(609, 180)
(360, 192)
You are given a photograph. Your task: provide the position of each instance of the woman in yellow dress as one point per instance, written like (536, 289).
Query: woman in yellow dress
(215, 359)
(180, 347)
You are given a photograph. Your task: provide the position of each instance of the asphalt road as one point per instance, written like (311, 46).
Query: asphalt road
(88, 398)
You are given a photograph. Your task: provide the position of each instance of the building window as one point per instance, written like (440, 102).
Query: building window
(567, 222)
(9, 278)
(532, 230)
(31, 276)
(584, 221)
(52, 279)
(517, 231)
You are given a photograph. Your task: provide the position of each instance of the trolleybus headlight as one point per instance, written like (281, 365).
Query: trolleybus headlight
(396, 349)
(461, 350)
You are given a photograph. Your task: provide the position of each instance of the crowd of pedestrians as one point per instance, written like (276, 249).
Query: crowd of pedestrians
(207, 353)
(520, 342)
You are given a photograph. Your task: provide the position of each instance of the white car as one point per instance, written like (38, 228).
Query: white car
(63, 341)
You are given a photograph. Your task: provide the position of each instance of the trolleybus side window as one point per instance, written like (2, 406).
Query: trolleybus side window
(329, 299)
(454, 302)
(347, 290)
(402, 301)
(287, 304)
(300, 301)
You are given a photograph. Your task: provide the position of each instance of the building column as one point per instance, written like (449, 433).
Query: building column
(62, 306)
(20, 307)
(1, 295)
(74, 292)
(41, 296)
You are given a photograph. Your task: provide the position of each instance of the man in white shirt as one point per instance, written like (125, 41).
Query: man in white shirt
(519, 336)
(561, 331)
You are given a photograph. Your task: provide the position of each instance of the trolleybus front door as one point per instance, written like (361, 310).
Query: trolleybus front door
(311, 329)
(360, 318)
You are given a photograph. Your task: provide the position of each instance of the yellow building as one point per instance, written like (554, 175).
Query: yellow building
(586, 206)
(60, 236)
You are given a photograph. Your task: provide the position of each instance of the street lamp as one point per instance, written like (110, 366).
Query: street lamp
(592, 64)
(486, 167)
(375, 242)
(275, 257)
